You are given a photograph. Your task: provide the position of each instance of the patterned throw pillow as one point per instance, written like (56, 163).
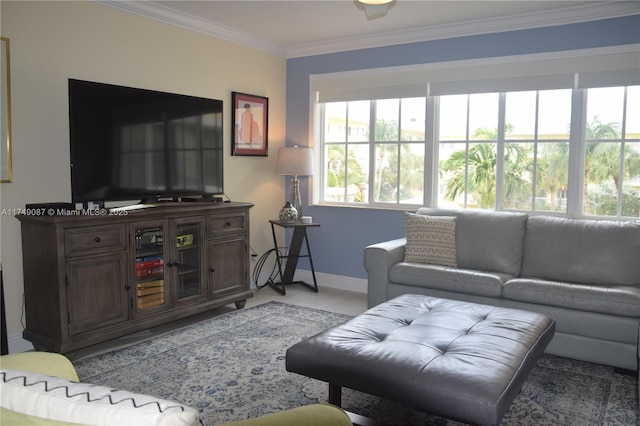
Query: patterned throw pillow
(430, 239)
(59, 399)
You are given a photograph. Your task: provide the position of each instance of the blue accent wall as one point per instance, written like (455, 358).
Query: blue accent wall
(338, 245)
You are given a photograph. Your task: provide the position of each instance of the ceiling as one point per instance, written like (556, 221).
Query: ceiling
(293, 28)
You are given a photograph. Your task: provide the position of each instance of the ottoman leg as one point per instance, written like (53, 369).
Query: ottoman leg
(335, 398)
(335, 395)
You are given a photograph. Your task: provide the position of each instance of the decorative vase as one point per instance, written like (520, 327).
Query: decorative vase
(288, 214)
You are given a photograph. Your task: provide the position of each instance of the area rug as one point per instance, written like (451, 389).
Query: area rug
(232, 367)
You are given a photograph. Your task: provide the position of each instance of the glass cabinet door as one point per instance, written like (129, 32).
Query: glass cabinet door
(150, 287)
(187, 262)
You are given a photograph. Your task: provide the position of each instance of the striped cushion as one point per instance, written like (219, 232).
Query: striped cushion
(54, 398)
(430, 239)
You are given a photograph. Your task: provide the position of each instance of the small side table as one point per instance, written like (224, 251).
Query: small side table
(293, 254)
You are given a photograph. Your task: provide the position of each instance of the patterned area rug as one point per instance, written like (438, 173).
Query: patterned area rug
(232, 367)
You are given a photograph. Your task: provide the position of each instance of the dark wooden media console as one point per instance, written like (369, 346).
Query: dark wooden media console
(89, 278)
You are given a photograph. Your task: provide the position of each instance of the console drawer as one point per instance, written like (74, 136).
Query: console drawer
(219, 224)
(94, 239)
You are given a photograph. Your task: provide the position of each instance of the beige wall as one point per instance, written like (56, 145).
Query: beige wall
(54, 41)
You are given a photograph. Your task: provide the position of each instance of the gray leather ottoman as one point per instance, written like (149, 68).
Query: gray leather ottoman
(459, 360)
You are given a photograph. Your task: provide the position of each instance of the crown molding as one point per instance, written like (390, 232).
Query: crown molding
(569, 15)
(170, 16)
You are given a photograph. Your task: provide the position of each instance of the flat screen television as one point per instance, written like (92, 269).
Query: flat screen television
(142, 145)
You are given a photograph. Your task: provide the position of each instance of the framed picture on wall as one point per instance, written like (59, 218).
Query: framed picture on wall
(250, 121)
(5, 112)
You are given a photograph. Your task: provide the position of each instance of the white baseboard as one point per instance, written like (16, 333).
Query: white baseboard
(18, 344)
(357, 285)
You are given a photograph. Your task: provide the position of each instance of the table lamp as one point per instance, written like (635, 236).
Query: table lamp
(295, 162)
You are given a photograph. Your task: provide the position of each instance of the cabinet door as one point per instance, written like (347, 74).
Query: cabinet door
(96, 293)
(228, 266)
(186, 263)
(151, 287)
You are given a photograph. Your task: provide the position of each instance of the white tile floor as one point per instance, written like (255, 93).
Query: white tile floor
(326, 299)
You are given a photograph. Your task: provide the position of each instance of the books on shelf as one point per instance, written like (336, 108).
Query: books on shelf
(149, 267)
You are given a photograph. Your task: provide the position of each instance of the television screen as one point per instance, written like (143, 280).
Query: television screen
(136, 144)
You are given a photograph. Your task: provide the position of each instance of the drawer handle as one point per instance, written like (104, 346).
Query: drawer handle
(127, 287)
(228, 224)
(97, 239)
(212, 269)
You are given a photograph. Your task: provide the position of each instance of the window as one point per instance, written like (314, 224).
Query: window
(529, 152)
(467, 145)
(553, 135)
(612, 152)
(537, 130)
(374, 151)
(508, 150)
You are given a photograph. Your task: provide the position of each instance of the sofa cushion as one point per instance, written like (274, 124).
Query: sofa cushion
(449, 279)
(430, 239)
(54, 398)
(599, 252)
(486, 240)
(614, 300)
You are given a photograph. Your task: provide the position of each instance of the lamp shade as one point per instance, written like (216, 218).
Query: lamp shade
(295, 161)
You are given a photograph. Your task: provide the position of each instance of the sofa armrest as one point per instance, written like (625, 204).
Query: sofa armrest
(378, 260)
(48, 363)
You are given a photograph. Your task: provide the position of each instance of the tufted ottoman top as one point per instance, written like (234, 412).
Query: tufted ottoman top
(454, 359)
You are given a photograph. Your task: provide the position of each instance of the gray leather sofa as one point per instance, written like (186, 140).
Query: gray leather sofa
(583, 273)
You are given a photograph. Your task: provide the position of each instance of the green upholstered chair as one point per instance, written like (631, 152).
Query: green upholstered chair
(57, 365)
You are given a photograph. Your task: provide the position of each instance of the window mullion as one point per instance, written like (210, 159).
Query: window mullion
(500, 152)
(536, 150)
(466, 155)
(318, 123)
(431, 163)
(623, 138)
(399, 148)
(620, 193)
(577, 151)
(372, 152)
(345, 193)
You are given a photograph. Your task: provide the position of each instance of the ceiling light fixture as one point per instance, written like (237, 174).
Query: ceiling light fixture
(375, 8)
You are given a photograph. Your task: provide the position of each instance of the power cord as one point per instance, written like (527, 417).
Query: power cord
(260, 264)
(22, 314)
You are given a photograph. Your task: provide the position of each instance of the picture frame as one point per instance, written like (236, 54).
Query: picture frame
(6, 169)
(250, 116)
